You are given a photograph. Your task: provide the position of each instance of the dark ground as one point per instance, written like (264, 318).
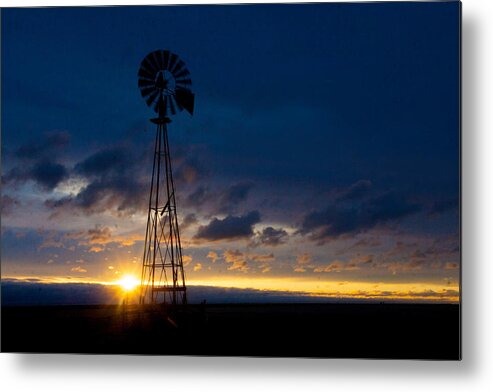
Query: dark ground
(414, 331)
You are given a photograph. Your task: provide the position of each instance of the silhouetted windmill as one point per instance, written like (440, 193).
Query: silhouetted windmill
(165, 83)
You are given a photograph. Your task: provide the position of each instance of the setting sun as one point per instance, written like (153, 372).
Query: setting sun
(128, 282)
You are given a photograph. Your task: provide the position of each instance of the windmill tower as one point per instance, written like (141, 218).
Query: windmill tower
(164, 82)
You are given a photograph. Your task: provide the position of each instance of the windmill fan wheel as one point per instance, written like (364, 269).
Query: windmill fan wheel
(165, 83)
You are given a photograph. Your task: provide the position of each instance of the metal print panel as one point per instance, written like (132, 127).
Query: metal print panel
(240, 180)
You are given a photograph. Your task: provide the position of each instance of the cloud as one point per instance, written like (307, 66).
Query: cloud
(356, 191)
(213, 256)
(38, 162)
(408, 266)
(189, 169)
(305, 258)
(237, 260)
(186, 259)
(229, 228)
(271, 237)
(78, 269)
(197, 267)
(122, 195)
(367, 259)
(9, 204)
(352, 265)
(48, 174)
(188, 221)
(99, 237)
(233, 196)
(336, 221)
(113, 160)
(51, 240)
(114, 182)
(50, 143)
(262, 258)
(337, 266)
(45, 173)
(303, 263)
(198, 197)
(219, 201)
(451, 266)
(240, 261)
(442, 206)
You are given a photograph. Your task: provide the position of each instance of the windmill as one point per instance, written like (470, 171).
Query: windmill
(165, 85)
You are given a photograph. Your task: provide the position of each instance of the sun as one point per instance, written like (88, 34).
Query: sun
(128, 282)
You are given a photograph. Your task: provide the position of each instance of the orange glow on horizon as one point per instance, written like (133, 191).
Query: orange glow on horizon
(421, 291)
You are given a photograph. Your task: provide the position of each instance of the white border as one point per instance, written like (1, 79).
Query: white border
(126, 373)
(58, 3)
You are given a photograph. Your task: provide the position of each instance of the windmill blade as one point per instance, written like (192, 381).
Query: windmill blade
(148, 64)
(163, 61)
(159, 59)
(147, 90)
(180, 108)
(173, 58)
(186, 99)
(152, 80)
(172, 107)
(153, 60)
(165, 54)
(178, 66)
(152, 98)
(146, 73)
(184, 83)
(143, 83)
(180, 74)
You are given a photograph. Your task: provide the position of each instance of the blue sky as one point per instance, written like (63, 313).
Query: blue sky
(328, 134)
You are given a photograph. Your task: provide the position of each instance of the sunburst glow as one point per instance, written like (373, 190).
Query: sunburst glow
(128, 283)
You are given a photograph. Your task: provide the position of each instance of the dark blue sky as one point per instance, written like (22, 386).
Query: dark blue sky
(295, 103)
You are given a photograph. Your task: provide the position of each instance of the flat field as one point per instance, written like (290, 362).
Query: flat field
(400, 331)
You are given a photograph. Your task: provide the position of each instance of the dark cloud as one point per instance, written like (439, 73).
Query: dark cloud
(233, 196)
(229, 228)
(197, 197)
(219, 201)
(47, 145)
(442, 206)
(38, 162)
(189, 220)
(107, 161)
(115, 182)
(125, 195)
(336, 221)
(356, 191)
(45, 173)
(271, 237)
(48, 174)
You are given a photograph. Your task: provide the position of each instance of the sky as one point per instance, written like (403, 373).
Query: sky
(322, 157)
